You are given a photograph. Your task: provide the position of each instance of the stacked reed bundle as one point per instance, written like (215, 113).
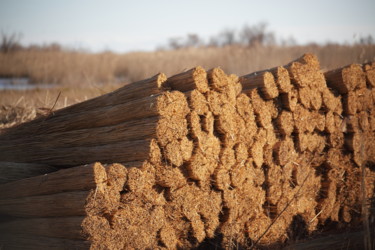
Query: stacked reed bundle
(207, 155)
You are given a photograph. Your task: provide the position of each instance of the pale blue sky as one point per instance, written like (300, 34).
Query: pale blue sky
(143, 25)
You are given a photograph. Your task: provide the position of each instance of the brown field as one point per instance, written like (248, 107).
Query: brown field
(76, 68)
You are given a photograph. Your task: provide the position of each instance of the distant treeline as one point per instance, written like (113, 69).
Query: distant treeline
(240, 52)
(248, 36)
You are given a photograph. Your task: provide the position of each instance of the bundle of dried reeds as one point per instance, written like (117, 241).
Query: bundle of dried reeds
(207, 155)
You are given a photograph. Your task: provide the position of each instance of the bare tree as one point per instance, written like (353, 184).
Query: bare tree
(257, 35)
(367, 40)
(10, 42)
(288, 42)
(175, 43)
(228, 37)
(214, 42)
(193, 40)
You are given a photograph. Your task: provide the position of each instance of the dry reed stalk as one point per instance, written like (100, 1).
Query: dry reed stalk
(237, 164)
(346, 79)
(11, 171)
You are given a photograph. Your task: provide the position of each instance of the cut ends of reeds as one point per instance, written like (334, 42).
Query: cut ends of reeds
(370, 73)
(195, 78)
(217, 78)
(346, 79)
(264, 81)
(283, 80)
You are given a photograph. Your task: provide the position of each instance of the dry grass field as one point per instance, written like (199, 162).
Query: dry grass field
(82, 76)
(76, 68)
(18, 106)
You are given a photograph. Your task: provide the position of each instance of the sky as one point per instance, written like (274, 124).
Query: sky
(141, 25)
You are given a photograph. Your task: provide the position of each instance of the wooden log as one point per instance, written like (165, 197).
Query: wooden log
(264, 81)
(55, 227)
(54, 205)
(195, 78)
(346, 79)
(22, 241)
(12, 171)
(64, 180)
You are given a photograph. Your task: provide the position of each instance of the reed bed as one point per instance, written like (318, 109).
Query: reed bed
(76, 68)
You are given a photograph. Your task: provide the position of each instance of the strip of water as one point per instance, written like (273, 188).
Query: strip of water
(21, 84)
